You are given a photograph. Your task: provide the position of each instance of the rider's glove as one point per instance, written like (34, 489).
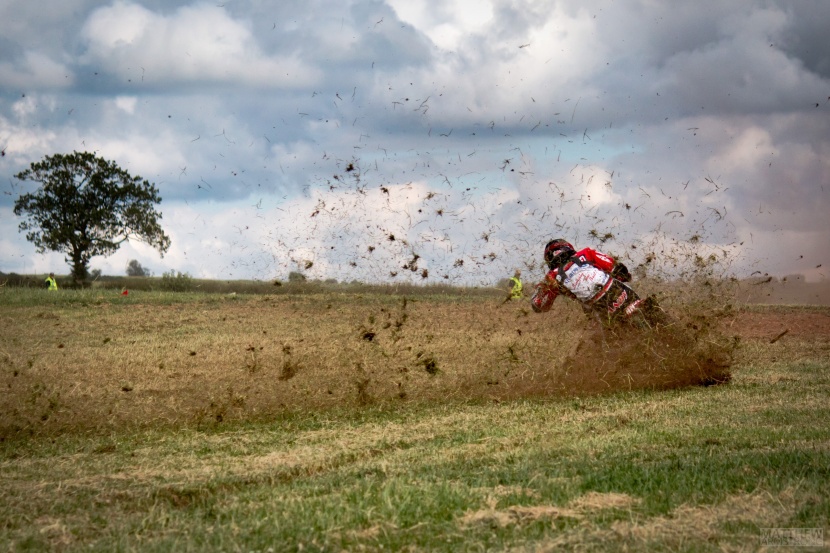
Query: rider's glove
(543, 297)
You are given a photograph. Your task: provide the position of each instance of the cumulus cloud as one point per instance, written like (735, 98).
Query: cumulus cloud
(295, 136)
(196, 44)
(35, 70)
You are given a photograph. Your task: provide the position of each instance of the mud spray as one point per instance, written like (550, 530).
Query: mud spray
(688, 348)
(660, 357)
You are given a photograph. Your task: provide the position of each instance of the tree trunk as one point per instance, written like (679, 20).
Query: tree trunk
(79, 267)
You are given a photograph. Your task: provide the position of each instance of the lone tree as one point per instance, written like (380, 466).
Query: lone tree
(87, 206)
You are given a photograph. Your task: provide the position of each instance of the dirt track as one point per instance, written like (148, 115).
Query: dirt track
(798, 325)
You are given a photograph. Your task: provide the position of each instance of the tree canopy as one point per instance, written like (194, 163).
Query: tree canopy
(87, 206)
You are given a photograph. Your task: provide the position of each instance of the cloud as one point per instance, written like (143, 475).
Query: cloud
(19, 136)
(446, 24)
(491, 125)
(126, 103)
(196, 44)
(35, 70)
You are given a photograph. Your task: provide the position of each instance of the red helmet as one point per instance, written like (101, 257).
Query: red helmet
(557, 251)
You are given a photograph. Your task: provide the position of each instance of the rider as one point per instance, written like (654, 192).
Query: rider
(592, 278)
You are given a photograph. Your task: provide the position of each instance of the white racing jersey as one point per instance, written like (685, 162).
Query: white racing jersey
(586, 282)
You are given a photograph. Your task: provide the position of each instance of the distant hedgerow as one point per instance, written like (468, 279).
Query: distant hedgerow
(173, 281)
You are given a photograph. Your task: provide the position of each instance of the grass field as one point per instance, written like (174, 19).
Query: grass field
(348, 422)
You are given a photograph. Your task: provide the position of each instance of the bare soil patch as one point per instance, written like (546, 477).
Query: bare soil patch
(797, 325)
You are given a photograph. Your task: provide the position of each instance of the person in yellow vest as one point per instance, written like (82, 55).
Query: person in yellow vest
(51, 282)
(516, 281)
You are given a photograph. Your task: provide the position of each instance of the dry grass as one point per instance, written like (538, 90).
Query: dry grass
(732, 524)
(108, 365)
(577, 509)
(694, 469)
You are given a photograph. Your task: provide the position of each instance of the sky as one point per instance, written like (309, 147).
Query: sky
(432, 142)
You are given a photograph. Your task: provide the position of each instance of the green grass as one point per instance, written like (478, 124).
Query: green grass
(699, 469)
(168, 286)
(32, 297)
(214, 292)
(696, 469)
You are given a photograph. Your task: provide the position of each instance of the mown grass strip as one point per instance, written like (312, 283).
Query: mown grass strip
(617, 471)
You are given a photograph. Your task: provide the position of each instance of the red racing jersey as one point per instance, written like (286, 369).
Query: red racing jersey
(585, 277)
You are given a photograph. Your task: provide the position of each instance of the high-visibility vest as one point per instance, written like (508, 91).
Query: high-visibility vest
(516, 292)
(53, 285)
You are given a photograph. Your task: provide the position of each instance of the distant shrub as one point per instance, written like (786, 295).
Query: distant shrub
(296, 276)
(134, 269)
(173, 281)
(14, 279)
